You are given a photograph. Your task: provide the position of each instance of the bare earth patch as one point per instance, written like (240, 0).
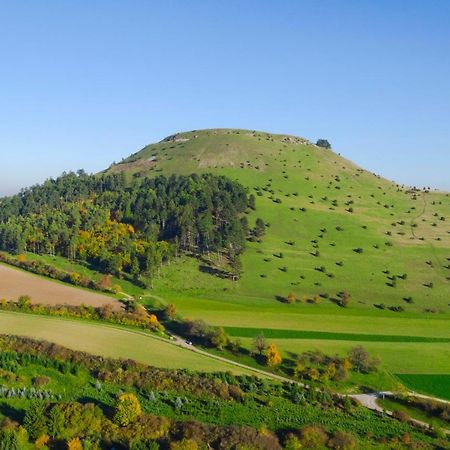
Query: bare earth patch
(15, 282)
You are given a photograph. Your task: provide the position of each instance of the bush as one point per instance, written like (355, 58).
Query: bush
(401, 416)
(343, 441)
(134, 315)
(323, 143)
(128, 409)
(41, 380)
(313, 437)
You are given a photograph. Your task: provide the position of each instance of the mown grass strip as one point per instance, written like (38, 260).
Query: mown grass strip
(273, 333)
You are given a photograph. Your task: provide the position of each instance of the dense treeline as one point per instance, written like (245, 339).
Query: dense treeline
(118, 226)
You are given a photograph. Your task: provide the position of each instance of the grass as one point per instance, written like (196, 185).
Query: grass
(416, 413)
(403, 357)
(306, 170)
(109, 341)
(433, 384)
(298, 334)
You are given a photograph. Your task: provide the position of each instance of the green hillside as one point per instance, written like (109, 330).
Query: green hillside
(332, 227)
(386, 245)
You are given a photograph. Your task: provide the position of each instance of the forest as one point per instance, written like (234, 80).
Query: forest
(127, 226)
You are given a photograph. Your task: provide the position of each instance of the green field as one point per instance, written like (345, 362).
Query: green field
(438, 385)
(399, 357)
(109, 341)
(297, 334)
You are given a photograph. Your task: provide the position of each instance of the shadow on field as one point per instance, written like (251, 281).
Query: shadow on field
(13, 413)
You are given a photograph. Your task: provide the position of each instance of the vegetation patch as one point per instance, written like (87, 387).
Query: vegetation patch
(272, 333)
(91, 402)
(437, 385)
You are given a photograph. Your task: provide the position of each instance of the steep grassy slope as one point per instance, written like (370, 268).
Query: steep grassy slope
(314, 200)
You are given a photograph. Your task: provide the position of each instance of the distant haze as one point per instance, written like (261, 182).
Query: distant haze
(371, 77)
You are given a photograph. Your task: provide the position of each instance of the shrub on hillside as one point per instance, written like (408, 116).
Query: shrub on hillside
(323, 143)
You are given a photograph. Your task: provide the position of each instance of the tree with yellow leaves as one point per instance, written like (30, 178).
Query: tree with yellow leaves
(74, 444)
(41, 441)
(330, 371)
(299, 368)
(313, 374)
(273, 357)
(127, 410)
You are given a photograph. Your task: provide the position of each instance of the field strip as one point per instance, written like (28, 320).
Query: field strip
(15, 282)
(114, 342)
(278, 333)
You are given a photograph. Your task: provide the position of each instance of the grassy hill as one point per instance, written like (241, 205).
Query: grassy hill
(332, 227)
(367, 232)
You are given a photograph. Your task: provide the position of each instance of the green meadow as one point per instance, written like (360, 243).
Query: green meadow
(109, 341)
(434, 384)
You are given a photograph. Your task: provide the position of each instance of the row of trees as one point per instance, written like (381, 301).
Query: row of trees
(119, 226)
(133, 314)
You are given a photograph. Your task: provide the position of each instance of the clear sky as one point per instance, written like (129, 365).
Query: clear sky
(85, 83)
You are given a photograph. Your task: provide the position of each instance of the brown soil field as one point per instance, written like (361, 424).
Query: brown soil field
(15, 282)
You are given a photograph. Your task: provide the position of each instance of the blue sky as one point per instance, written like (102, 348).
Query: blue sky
(86, 83)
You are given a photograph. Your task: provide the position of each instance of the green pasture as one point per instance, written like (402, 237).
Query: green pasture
(398, 357)
(109, 341)
(432, 384)
(416, 413)
(297, 334)
(388, 223)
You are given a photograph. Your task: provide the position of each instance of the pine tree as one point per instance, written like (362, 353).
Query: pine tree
(34, 420)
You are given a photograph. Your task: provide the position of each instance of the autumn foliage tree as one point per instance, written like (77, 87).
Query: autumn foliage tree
(74, 444)
(127, 410)
(273, 356)
(170, 312)
(313, 437)
(219, 338)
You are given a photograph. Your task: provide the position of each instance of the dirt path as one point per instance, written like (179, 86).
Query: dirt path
(177, 340)
(16, 282)
(370, 401)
